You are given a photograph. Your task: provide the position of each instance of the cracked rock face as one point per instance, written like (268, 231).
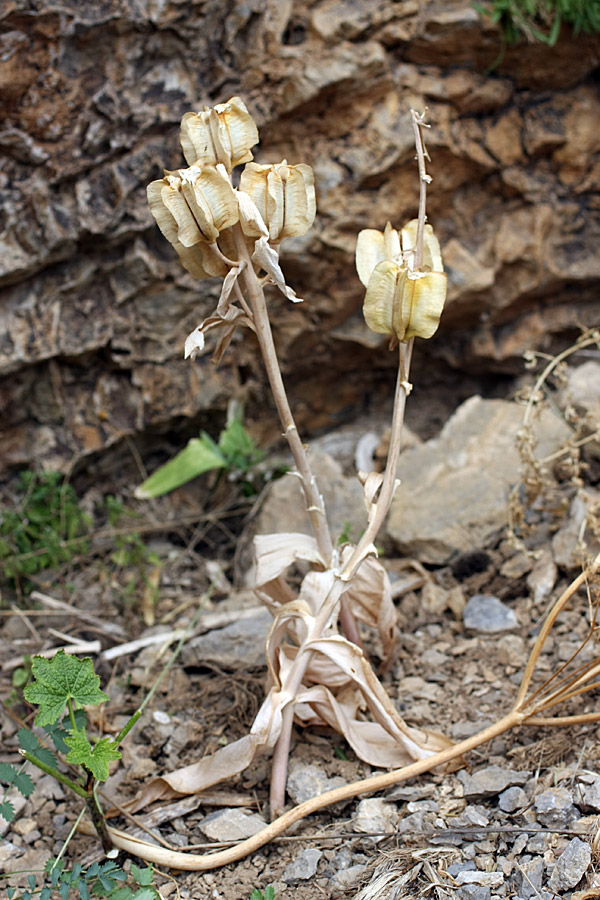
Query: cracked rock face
(94, 307)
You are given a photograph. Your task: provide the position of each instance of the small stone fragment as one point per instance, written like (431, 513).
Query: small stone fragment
(591, 795)
(303, 867)
(375, 816)
(489, 781)
(488, 614)
(307, 781)
(489, 879)
(571, 865)
(511, 799)
(231, 825)
(555, 808)
(473, 892)
(527, 877)
(347, 879)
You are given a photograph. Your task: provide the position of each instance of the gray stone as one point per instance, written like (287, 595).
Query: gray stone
(488, 879)
(231, 825)
(454, 489)
(554, 808)
(374, 816)
(568, 546)
(464, 866)
(308, 781)
(473, 892)
(527, 878)
(347, 879)
(511, 799)
(571, 866)
(241, 644)
(590, 794)
(491, 780)
(488, 614)
(303, 867)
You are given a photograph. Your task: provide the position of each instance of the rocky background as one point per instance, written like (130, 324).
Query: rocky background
(94, 308)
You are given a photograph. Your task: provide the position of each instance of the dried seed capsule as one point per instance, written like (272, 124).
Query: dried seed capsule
(221, 134)
(284, 195)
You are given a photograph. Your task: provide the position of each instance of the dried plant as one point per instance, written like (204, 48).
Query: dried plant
(318, 670)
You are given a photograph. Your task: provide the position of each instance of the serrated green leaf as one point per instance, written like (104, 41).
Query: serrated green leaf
(143, 876)
(7, 810)
(8, 773)
(60, 679)
(120, 893)
(146, 893)
(270, 892)
(29, 742)
(59, 730)
(96, 760)
(31, 880)
(11, 892)
(46, 893)
(84, 892)
(200, 455)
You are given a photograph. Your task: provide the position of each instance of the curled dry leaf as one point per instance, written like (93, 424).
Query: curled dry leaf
(370, 597)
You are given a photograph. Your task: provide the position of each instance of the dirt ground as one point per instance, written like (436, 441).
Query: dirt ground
(444, 677)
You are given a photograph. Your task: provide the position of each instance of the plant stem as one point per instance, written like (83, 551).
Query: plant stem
(50, 770)
(97, 815)
(256, 299)
(198, 863)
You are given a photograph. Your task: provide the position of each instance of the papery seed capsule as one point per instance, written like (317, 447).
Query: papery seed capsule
(284, 196)
(221, 134)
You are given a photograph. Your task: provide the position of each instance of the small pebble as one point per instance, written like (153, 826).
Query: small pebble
(571, 865)
(489, 781)
(554, 808)
(511, 799)
(231, 825)
(303, 867)
(488, 614)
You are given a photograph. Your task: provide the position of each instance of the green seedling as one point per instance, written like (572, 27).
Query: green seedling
(106, 880)
(269, 894)
(236, 452)
(45, 529)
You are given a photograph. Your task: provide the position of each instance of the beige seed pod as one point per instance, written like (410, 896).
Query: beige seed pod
(222, 134)
(284, 196)
(401, 301)
(192, 207)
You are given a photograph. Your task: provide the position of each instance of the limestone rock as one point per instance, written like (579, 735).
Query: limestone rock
(491, 780)
(303, 867)
(95, 306)
(239, 645)
(571, 866)
(488, 615)
(454, 489)
(231, 824)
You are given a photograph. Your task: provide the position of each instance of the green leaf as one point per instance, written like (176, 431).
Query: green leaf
(31, 881)
(143, 876)
(59, 730)
(21, 780)
(200, 455)
(270, 892)
(237, 446)
(96, 760)
(7, 810)
(146, 893)
(46, 893)
(60, 679)
(29, 742)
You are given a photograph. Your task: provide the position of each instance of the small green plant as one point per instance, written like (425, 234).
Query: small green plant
(71, 683)
(236, 453)
(45, 529)
(269, 894)
(541, 20)
(106, 880)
